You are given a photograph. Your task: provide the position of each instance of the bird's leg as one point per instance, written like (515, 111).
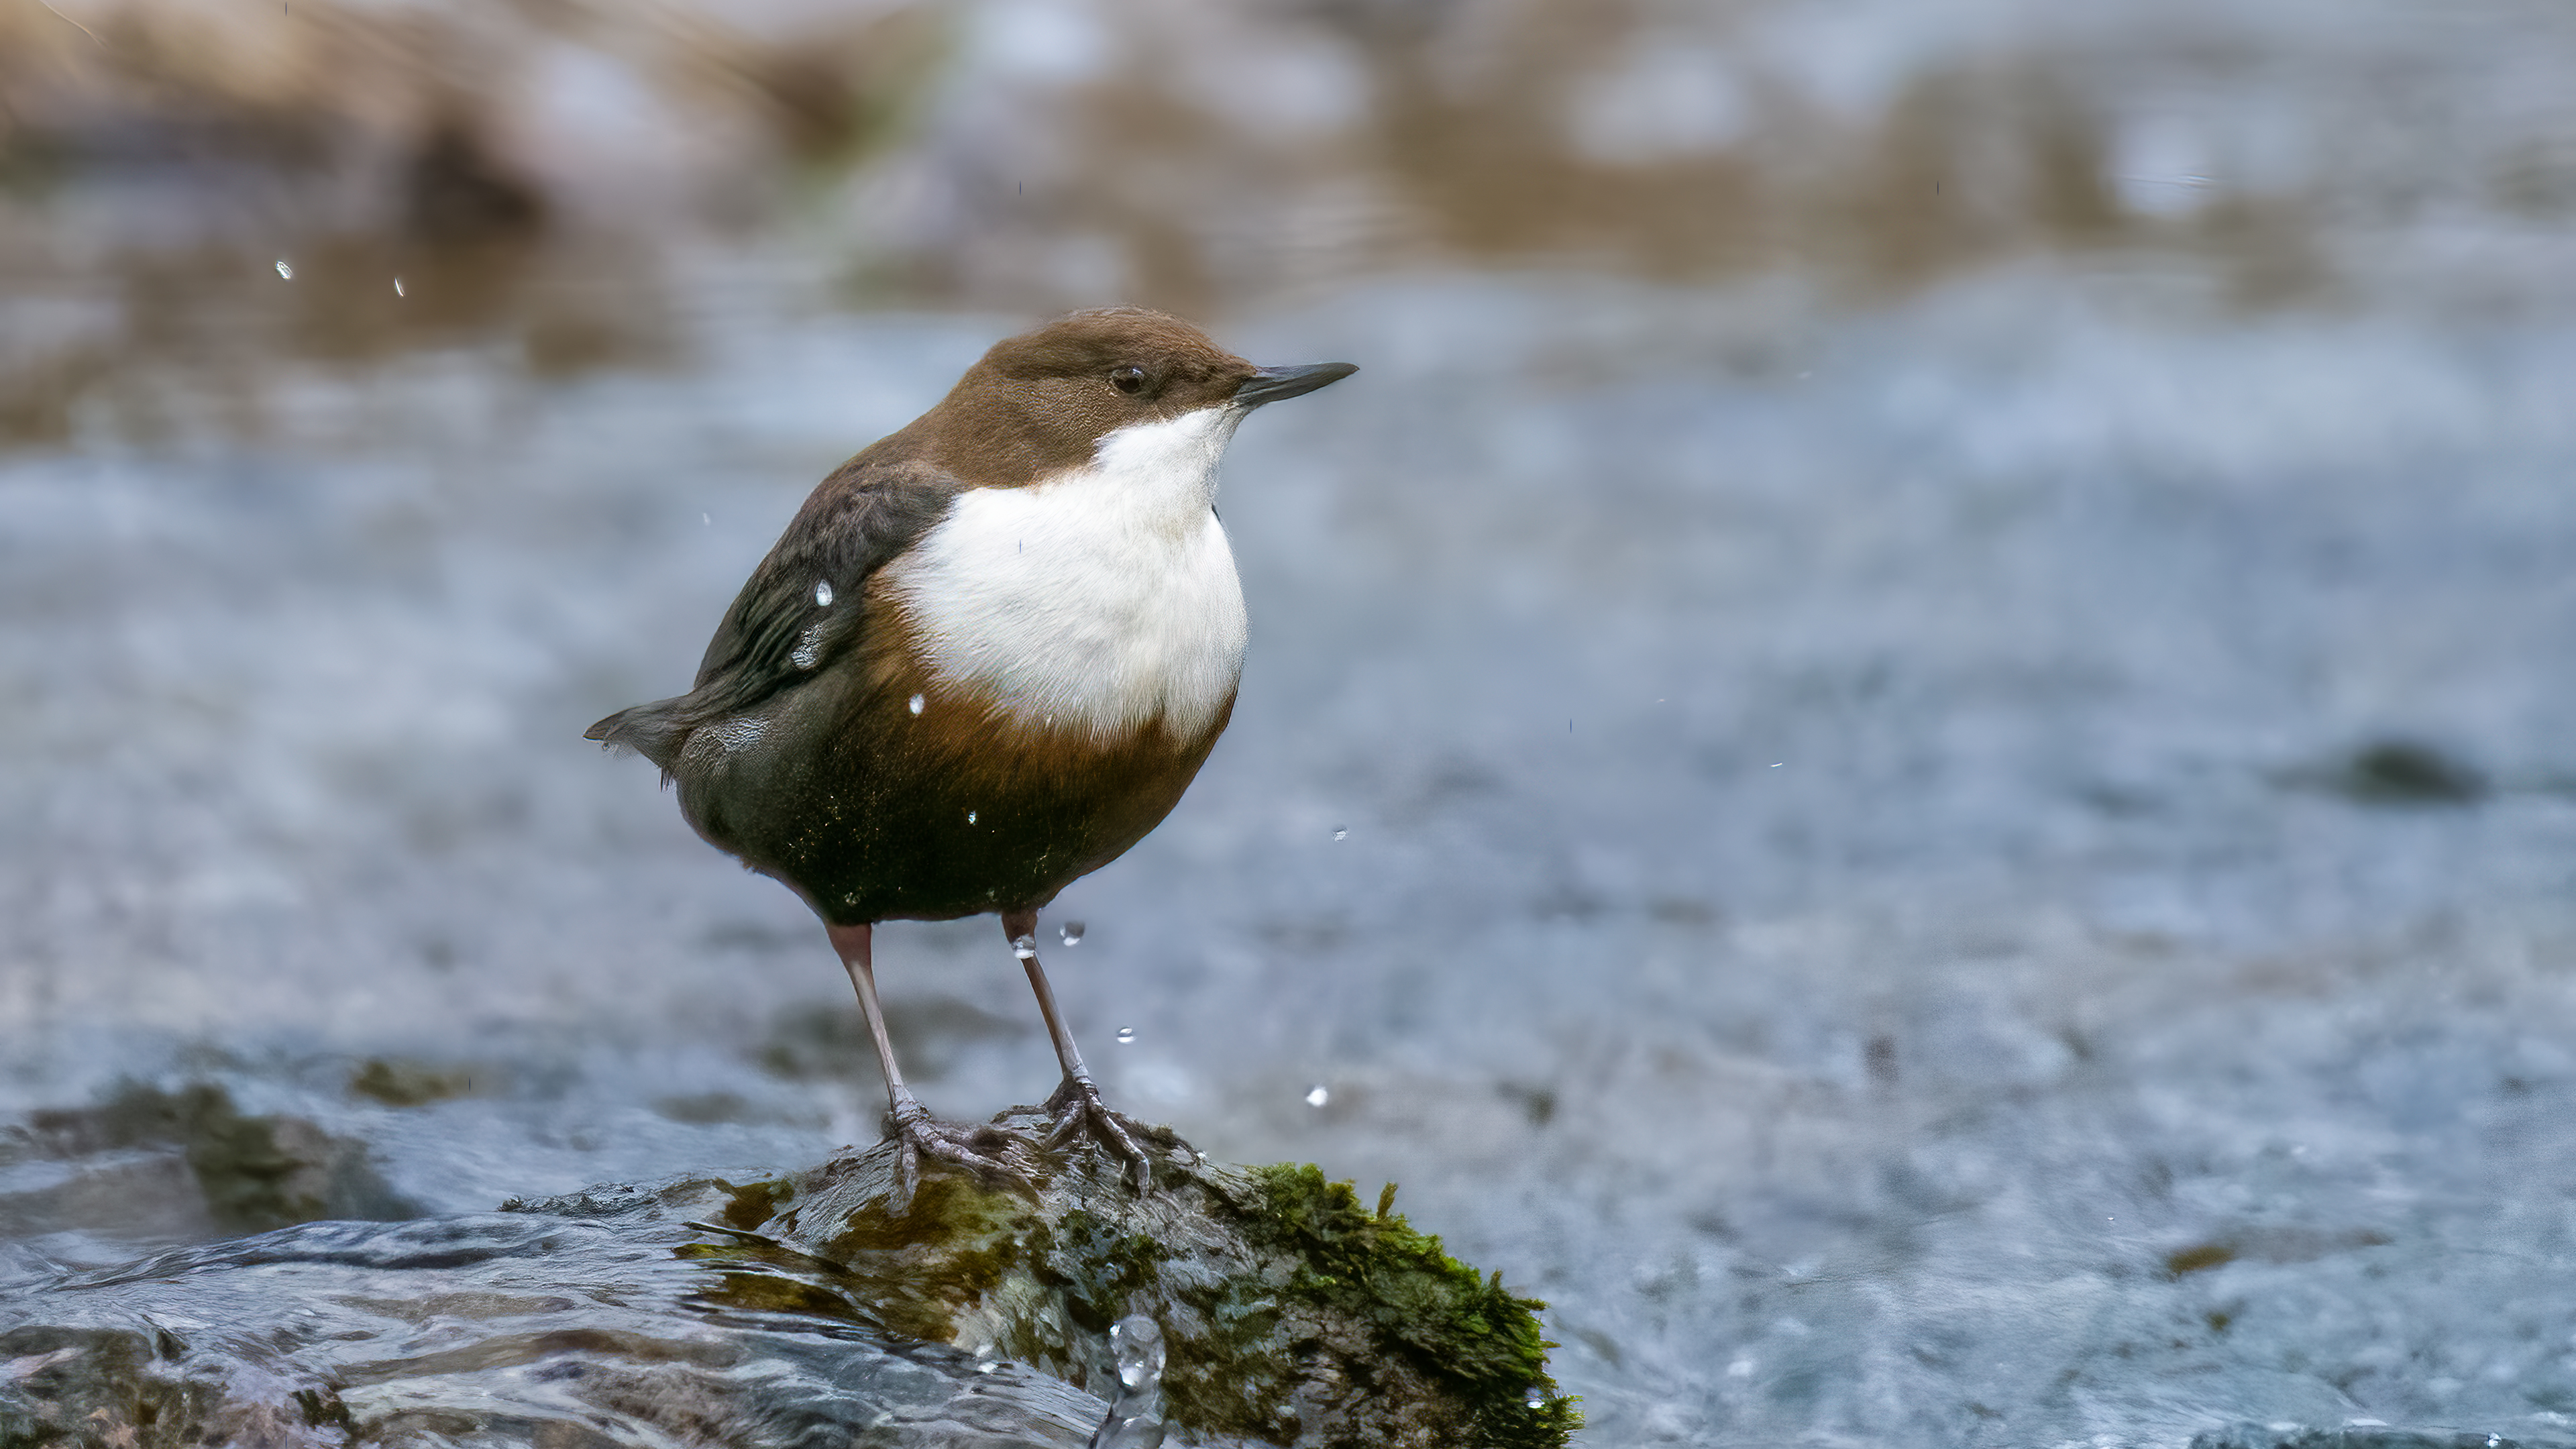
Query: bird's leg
(915, 1129)
(1076, 1104)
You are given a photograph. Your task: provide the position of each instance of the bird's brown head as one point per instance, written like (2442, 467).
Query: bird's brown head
(1041, 402)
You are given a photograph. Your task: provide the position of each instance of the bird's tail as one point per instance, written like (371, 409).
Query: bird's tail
(656, 731)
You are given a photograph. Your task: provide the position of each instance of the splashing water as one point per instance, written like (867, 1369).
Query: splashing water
(1136, 1419)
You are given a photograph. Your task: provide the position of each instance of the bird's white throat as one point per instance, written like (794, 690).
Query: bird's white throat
(1096, 599)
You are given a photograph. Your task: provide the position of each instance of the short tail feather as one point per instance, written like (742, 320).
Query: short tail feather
(656, 731)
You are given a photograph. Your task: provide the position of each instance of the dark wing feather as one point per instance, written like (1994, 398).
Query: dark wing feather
(856, 521)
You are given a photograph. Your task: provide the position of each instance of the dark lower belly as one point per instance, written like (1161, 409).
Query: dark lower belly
(931, 824)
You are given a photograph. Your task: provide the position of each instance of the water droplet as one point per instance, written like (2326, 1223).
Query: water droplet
(1775, 764)
(1070, 933)
(706, 520)
(822, 593)
(1138, 1342)
(970, 817)
(1317, 1095)
(398, 291)
(1135, 1421)
(916, 704)
(1341, 832)
(1126, 1034)
(1026, 948)
(1534, 1400)
(284, 271)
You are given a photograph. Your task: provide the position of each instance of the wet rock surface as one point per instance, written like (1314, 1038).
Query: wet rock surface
(184, 1163)
(804, 1308)
(493, 1329)
(1289, 1311)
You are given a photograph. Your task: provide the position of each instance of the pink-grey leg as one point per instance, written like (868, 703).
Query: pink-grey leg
(915, 1129)
(1076, 1104)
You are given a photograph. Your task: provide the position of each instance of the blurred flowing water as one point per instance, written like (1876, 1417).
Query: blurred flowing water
(1907, 744)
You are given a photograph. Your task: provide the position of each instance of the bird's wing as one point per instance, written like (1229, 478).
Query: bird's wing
(804, 605)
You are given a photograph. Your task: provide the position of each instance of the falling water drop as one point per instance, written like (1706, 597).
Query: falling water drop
(1535, 1399)
(1317, 1095)
(285, 271)
(1126, 1034)
(1341, 832)
(823, 593)
(1070, 933)
(1025, 947)
(706, 520)
(398, 291)
(970, 817)
(1136, 1420)
(916, 704)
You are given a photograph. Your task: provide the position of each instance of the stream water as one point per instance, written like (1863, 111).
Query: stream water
(1945, 821)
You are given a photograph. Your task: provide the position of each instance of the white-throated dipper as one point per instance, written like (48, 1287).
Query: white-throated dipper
(986, 657)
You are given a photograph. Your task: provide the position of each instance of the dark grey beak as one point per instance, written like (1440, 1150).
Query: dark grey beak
(1272, 384)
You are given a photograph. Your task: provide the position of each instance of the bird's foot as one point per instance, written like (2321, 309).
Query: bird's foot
(976, 1149)
(1077, 1109)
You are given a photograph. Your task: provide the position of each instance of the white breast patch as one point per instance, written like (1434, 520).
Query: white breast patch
(1098, 599)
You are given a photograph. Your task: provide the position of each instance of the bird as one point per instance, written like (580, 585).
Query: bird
(984, 659)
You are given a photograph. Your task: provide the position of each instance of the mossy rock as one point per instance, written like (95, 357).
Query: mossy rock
(1292, 1313)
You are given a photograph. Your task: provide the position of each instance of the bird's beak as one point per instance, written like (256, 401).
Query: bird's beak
(1271, 384)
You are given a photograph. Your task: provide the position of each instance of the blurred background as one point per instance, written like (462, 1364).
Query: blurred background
(1907, 744)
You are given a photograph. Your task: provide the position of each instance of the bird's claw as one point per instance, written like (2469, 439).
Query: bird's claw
(1077, 1109)
(918, 1135)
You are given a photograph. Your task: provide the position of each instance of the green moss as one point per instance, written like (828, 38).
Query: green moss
(754, 1203)
(956, 1243)
(773, 1293)
(407, 1083)
(1449, 1323)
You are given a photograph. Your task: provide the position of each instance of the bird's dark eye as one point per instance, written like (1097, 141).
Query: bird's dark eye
(1129, 380)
